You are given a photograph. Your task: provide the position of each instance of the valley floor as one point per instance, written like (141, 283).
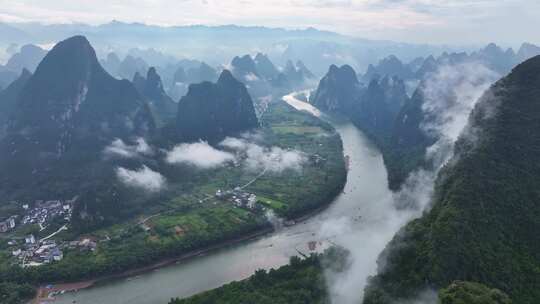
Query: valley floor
(196, 220)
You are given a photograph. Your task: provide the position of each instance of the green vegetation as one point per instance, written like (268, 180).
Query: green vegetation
(11, 293)
(271, 203)
(295, 193)
(296, 129)
(471, 293)
(136, 229)
(300, 282)
(484, 222)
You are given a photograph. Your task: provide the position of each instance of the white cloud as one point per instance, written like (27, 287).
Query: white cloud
(118, 148)
(199, 154)
(450, 95)
(143, 178)
(251, 77)
(273, 159)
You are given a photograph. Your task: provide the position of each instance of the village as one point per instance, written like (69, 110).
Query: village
(238, 198)
(30, 251)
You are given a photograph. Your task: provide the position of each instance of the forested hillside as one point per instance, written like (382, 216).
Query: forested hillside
(484, 222)
(300, 282)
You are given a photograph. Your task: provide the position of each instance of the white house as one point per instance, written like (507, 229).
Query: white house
(30, 239)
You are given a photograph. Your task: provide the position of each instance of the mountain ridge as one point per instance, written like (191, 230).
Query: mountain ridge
(481, 224)
(212, 111)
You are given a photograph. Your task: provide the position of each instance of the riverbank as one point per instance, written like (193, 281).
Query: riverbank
(318, 203)
(44, 291)
(365, 185)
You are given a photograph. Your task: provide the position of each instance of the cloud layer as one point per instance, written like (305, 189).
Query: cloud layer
(450, 95)
(118, 148)
(199, 154)
(143, 178)
(272, 159)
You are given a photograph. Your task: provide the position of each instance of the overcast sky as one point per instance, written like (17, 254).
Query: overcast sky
(430, 21)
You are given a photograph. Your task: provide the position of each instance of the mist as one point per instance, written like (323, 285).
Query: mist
(118, 148)
(272, 159)
(143, 178)
(451, 93)
(200, 155)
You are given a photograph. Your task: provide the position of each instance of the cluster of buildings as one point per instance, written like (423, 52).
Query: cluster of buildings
(85, 244)
(8, 224)
(238, 197)
(44, 212)
(34, 253)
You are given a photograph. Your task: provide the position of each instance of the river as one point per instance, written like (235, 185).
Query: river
(366, 186)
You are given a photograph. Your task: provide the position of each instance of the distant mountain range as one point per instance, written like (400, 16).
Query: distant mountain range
(492, 56)
(375, 100)
(28, 57)
(263, 78)
(317, 49)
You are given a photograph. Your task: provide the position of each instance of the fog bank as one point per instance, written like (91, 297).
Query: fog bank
(451, 94)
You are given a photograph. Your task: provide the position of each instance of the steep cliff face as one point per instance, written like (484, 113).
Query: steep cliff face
(244, 69)
(71, 101)
(212, 111)
(8, 99)
(151, 89)
(408, 141)
(64, 116)
(378, 107)
(483, 223)
(383, 111)
(265, 67)
(338, 90)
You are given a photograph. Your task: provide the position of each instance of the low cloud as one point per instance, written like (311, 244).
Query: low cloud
(272, 159)
(251, 77)
(451, 94)
(199, 154)
(118, 148)
(143, 178)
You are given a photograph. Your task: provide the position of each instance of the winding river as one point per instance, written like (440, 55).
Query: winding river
(366, 186)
